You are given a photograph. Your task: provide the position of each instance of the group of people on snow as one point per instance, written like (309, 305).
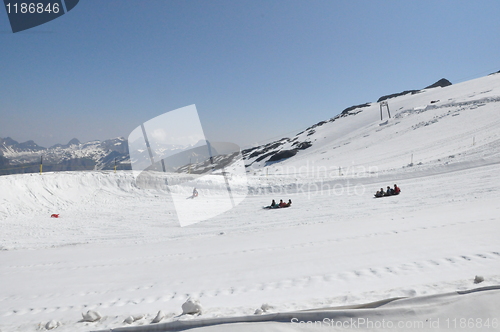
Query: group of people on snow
(281, 204)
(389, 192)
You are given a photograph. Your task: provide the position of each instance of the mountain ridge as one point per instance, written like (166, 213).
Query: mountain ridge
(332, 133)
(26, 157)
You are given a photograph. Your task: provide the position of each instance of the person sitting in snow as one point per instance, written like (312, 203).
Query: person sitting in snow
(380, 193)
(272, 206)
(282, 204)
(396, 190)
(289, 203)
(389, 191)
(195, 193)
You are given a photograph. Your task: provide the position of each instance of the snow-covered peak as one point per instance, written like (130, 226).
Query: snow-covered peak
(435, 125)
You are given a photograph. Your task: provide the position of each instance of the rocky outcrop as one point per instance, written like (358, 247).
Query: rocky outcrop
(285, 154)
(441, 83)
(394, 95)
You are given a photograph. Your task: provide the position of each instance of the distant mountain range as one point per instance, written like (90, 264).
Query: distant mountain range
(25, 157)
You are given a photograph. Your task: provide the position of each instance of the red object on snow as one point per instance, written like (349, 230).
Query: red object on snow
(54, 215)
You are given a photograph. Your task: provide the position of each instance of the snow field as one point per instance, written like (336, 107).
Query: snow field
(118, 248)
(324, 251)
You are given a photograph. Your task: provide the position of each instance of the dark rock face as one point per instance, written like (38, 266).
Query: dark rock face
(266, 148)
(264, 156)
(347, 110)
(263, 151)
(283, 155)
(271, 150)
(394, 95)
(302, 145)
(441, 83)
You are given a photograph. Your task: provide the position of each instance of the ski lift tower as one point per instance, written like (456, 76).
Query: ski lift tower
(382, 104)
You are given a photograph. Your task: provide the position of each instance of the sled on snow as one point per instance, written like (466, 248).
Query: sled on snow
(375, 195)
(274, 208)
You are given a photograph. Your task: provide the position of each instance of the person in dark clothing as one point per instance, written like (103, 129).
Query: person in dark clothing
(272, 206)
(389, 191)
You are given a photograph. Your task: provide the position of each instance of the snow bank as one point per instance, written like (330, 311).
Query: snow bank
(192, 307)
(471, 310)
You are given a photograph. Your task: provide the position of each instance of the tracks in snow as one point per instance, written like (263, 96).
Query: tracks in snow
(326, 281)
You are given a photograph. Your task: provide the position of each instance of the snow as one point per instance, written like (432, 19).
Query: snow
(192, 307)
(91, 316)
(118, 251)
(466, 114)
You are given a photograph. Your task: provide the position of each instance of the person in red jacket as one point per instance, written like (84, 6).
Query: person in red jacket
(282, 204)
(396, 190)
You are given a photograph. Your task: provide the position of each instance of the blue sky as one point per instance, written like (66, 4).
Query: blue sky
(256, 70)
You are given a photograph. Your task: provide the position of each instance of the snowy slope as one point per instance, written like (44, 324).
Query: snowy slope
(117, 247)
(461, 121)
(124, 253)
